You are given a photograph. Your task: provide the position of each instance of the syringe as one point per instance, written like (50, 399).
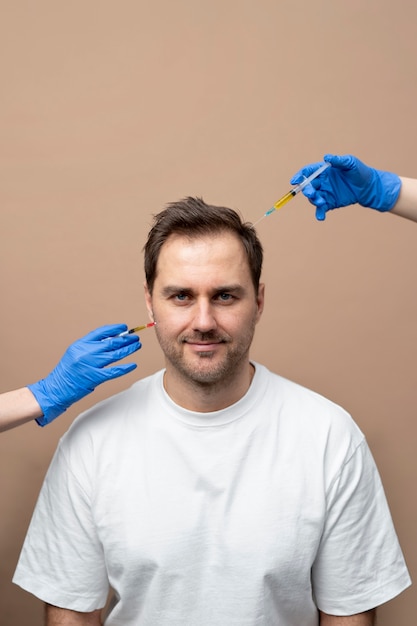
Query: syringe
(293, 192)
(136, 329)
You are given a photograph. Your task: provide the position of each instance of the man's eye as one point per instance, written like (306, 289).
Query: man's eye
(181, 297)
(225, 297)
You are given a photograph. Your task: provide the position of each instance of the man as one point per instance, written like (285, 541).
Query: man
(213, 493)
(350, 181)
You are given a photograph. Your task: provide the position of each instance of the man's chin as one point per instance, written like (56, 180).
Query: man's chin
(205, 371)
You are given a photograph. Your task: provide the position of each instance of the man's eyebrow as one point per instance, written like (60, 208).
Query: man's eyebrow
(170, 290)
(229, 289)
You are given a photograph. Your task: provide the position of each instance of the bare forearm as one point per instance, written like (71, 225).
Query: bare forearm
(406, 205)
(360, 619)
(54, 616)
(17, 407)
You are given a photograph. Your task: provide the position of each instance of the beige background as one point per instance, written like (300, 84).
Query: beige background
(109, 110)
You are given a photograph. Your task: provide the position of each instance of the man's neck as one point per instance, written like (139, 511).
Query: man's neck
(206, 398)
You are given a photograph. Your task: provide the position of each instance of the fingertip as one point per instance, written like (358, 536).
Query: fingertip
(343, 161)
(134, 347)
(121, 370)
(130, 339)
(129, 349)
(114, 329)
(320, 214)
(335, 160)
(309, 191)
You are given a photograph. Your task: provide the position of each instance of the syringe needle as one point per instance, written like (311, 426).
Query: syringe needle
(293, 192)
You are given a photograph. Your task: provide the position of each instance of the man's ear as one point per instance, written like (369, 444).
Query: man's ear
(260, 300)
(148, 301)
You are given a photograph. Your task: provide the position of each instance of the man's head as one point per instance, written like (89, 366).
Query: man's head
(192, 217)
(202, 269)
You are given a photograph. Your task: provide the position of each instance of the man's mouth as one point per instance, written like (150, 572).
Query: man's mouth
(203, 345)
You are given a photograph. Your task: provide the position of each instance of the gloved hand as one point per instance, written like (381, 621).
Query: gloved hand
(348, 181)
(82, 368)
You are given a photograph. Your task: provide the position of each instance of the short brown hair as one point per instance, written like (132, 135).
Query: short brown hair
(193, 217)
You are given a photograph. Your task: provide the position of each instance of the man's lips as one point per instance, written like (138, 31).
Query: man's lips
(204, 345)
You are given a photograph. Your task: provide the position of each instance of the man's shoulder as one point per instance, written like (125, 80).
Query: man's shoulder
(117, 411)
(302, 404)
(281, 384)
(311, 422)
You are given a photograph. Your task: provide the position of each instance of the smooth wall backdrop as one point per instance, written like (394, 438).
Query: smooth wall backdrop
(110, 110)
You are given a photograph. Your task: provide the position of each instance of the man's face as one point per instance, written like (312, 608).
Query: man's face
(205, 306)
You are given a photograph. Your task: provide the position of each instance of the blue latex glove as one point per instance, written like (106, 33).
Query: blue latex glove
(82, 368)
(347, 182)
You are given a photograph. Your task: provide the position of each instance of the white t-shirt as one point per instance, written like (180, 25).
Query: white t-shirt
(253, 515)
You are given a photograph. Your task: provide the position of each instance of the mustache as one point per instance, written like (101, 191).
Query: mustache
(208, 337)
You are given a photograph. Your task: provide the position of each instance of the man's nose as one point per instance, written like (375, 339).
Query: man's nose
(204, 319)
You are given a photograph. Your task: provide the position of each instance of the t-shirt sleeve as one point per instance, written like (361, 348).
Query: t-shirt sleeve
(62, 560)
(359, 564)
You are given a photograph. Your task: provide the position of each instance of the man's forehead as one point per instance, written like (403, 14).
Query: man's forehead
(220, 256)
(223, 239)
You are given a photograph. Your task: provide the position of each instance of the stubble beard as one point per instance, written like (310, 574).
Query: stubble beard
(205, 370)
